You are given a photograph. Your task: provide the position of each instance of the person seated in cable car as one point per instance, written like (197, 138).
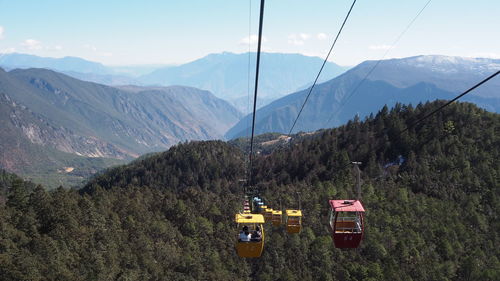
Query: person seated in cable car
(256, 235)
(245, 235)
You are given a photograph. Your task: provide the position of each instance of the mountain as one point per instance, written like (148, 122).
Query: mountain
(431, 216)
(453, 74)
(73, 64)
(105, 79)
(33, 147)
(408, 80)
(80, 68)
(226, 75)
(52, 110)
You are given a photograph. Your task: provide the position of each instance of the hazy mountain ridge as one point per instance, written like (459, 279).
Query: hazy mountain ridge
(410, 80)
(226, 74)
(16, 60)
(449, 73)
(79, 68)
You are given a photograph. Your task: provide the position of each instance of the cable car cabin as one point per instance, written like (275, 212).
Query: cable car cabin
(246, 208)
(251, 236)
(258, 209)
(346, 223)
(293, 221)
(276, 218)
(263, 209)
(268, 215)
(257, 202)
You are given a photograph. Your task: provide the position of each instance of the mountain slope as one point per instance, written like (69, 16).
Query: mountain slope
(402, 80)
(226, 74)
(137, 121)
(433, 216)
(454, 74)
(46, 109)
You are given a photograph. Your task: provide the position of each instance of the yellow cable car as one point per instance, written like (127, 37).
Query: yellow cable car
(293, 221)
(263, 209)
(251, 238)
(268, 215)
(277, 218)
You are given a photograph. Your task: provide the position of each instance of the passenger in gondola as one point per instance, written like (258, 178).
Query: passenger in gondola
(245, 235)
(256, 235)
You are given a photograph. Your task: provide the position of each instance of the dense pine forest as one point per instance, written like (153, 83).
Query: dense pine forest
(432, 195)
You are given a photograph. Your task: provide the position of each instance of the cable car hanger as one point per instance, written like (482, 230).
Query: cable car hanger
(346, 221)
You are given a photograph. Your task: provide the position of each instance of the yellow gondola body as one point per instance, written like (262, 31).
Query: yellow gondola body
(293, 221)
(268, 215)
(263, 209)
(253, 248)
(277, 218)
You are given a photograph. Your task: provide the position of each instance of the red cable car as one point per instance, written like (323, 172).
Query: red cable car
(346, 223)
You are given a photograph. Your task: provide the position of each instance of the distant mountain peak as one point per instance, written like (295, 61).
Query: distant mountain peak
(406, 80)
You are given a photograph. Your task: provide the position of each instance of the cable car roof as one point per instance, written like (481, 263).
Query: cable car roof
(277, 212)
(249, 218)
(294, 213)
(347, 205)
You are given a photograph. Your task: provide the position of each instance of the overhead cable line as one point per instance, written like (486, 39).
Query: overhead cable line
(248, 65)
(321, 69)
(378, 62)
(247, 162)
(450, 102)
(261, 19)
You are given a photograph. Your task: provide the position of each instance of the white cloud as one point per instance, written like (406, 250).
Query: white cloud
(321, 36)
(298, 39)
(1, 32)
(90, 47)
(304, 36)
(380, 47)
(8, 50)
(252, 40)
(32, 44)
(54, 48)
(105, 54)
(96, 51)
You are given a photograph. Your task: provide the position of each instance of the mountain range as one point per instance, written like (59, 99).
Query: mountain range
(226, 75)
(408, 80)
(54, 111)
(51, 121)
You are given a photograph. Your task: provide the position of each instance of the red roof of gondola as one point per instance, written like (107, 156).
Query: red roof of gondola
(347, 205)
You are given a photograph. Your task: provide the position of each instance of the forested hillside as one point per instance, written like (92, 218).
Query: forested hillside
(432, 197)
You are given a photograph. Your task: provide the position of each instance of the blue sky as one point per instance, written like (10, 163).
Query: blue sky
(164, 32)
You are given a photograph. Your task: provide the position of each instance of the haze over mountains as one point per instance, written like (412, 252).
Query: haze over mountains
(226, 75)
(407, 80)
